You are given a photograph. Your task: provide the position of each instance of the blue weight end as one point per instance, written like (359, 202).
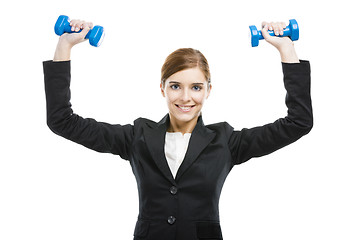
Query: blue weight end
(60, 24)
(96, 36)
(254, 36)
(294, 29)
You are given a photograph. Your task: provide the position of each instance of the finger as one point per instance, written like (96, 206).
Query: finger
(85, 31)
(75, 25)
(264, 31)
(278, 28)
(271, 26)
(87, 25)
(282, 26)
(79, 26)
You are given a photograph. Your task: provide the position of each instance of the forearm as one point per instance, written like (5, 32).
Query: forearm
(57, 92)
(297, 82)
(62, 52)
(288, 54)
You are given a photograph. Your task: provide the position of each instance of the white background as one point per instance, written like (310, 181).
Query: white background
(51, 188)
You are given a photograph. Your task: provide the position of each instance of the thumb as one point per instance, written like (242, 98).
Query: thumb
(84, 31)
(264, 32)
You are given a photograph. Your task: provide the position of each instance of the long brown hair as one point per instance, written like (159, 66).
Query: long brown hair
(184, 58)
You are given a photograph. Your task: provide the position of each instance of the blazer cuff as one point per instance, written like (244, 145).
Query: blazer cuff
(51, 66)
(295, 68)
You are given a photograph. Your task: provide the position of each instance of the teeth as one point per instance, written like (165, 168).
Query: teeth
(185, 108)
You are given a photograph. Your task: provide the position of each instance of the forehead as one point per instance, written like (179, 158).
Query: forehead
(190, 75)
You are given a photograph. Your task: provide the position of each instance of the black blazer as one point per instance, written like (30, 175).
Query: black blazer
(184, 208)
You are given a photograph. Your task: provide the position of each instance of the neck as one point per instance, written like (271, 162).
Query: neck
(181, 126)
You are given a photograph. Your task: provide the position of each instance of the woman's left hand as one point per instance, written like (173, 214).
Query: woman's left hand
(283, 44)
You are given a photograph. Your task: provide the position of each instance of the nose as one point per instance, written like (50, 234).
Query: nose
(186, 95)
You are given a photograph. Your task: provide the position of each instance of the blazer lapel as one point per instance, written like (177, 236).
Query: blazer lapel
(155, 140)
(200, 138)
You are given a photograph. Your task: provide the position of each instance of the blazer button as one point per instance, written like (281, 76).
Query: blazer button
(173, 190)
(171, 220)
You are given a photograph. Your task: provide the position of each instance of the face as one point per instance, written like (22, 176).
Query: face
(185, 93)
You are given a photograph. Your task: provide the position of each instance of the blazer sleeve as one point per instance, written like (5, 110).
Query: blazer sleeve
(260, 141)
(98, 136)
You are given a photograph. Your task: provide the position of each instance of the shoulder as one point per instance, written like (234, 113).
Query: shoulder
(222, 128)
(140, 122)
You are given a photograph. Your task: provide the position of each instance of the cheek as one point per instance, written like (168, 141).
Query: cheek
(199, 98)
(170, 96)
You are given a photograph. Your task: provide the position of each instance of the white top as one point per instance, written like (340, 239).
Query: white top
(175, 148)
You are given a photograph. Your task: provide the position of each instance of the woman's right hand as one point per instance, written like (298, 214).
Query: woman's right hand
(283, 44)
(68, 40)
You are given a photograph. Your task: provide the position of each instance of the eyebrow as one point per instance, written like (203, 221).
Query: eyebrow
(192, 83)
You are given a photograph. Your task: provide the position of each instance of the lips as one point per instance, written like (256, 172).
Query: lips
(185, 108)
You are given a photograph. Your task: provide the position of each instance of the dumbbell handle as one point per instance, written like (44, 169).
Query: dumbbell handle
(67, 29)
(287, 33)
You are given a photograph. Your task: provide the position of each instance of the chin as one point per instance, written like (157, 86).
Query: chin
(185, 117)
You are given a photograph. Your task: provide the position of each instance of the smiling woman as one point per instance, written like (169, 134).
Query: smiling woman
(179, 163)
(185, 93)
(185, 83)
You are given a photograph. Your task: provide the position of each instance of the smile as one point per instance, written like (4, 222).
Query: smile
(184, 108)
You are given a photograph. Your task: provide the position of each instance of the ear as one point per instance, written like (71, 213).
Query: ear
(162, 90)
(209, 90)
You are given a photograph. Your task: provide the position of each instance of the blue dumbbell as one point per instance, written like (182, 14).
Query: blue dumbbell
(95, 35)
(292, 31)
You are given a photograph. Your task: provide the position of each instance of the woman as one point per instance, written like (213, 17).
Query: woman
(179, 163)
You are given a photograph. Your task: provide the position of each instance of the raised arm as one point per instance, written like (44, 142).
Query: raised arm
(99, 136)
(259, 141)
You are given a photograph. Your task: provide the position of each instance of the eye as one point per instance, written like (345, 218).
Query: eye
(197, 88)
(175, 86)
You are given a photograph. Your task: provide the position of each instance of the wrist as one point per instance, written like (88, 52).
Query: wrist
(288, 54)
(63, 51)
